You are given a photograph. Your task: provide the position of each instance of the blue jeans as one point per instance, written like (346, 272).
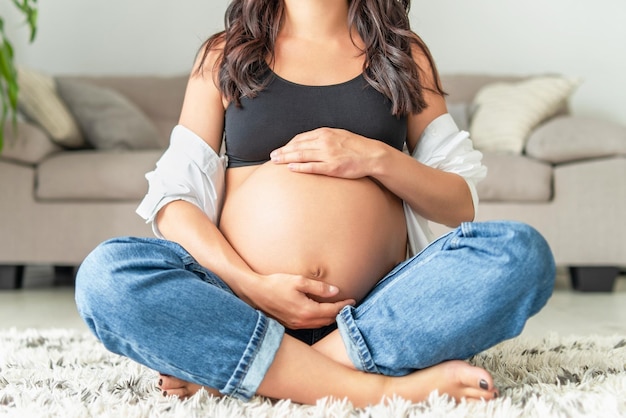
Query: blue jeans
(474, 287)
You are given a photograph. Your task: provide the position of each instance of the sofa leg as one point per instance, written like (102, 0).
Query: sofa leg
(11, 277)
(593, 278)
(64, 275)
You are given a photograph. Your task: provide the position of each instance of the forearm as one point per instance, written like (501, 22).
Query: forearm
(436, 195)
(185, 224)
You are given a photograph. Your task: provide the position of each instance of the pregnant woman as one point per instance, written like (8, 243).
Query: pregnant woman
(300, 265)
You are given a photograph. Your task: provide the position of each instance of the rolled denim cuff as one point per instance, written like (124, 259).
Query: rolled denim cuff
(256, 360)
(357, 349)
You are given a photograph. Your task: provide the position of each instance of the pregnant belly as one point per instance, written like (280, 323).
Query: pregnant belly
(348, 233)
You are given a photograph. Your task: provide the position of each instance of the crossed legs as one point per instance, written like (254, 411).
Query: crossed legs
(466, 292)
(305, 374)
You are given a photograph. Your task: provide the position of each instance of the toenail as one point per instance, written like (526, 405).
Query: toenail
(483, 384)
(164, 393)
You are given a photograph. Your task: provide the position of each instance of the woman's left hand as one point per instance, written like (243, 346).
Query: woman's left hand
(330, 152)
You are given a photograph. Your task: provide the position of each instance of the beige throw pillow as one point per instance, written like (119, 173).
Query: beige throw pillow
(506, 113)
(39, 101)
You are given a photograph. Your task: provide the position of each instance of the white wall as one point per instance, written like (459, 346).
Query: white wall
(116, 36)
(580, 38)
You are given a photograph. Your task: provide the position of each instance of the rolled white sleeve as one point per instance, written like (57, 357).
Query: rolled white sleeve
(189, 170)
(444, 147)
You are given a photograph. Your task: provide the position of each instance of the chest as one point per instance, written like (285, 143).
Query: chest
(284, 109)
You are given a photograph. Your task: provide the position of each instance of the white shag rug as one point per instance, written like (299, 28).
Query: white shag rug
(62, 373)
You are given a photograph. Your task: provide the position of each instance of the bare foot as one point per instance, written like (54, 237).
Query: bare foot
(172, 386)
(456, 378)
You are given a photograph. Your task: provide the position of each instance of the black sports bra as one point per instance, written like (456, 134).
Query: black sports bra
(284, 109)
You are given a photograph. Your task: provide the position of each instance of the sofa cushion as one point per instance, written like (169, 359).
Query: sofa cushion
(571, 138)
(28, 144)
(39, 101)
(506, 113)
(515, 178)
(96, 175)
(108, 119)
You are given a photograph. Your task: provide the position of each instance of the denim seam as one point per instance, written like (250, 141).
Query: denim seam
(467, 230)
(242, 385)
(356, 345)
(233, 386)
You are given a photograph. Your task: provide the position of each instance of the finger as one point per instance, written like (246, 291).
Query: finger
(314, 323)
(309, 168)
(317, 288)
(303, 155)
(301, 141)
(297, 142)
(304, 137)
(332, 309)
(319, 314)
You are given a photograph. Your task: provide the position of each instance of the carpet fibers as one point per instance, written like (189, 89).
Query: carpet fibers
(63, 373)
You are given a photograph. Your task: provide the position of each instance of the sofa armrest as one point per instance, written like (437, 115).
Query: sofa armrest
(572, 138)
(28, 144)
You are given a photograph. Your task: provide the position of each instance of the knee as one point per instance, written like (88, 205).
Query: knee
(105, 277)
(532, 251)
(520, 264)
(95, 276)
(528, 259)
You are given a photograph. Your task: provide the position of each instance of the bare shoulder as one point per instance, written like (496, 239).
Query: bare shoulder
(203, 107)
(431, 89)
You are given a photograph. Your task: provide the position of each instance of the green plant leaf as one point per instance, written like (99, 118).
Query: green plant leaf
(9, 88)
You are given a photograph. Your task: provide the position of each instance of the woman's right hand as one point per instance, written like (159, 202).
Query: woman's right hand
(287, 298)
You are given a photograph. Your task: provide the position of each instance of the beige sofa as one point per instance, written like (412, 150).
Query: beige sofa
(58, 201)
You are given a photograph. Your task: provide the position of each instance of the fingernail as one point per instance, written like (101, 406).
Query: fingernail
(160, 382)
(164, 393)
(332, 289)
(483, 384)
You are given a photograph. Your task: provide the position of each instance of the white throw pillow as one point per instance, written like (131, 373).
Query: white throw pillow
(506, 113)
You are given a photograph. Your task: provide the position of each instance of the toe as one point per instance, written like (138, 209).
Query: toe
(476, 383)
(475, 377)
(472, 394)
(181, 393)
(170, 382)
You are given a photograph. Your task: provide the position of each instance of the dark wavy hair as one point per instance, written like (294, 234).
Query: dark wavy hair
(251, 28)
